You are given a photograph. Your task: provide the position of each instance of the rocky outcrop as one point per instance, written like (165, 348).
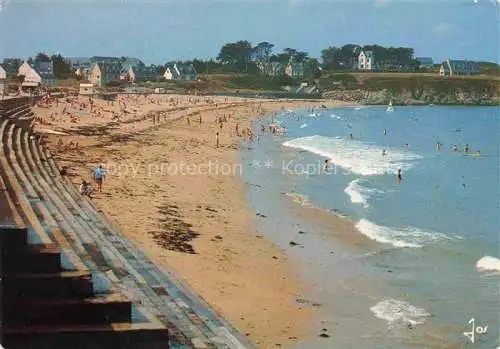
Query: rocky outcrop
(415, 92)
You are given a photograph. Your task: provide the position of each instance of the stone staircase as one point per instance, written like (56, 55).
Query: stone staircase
(70, 279)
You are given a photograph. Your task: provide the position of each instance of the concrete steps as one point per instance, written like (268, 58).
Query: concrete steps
(54, 210)
(43, 304)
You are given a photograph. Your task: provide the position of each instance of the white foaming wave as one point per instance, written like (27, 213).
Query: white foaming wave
(360, 194)
(397, 312)
(361, 158)
(488, 263)
(409, 237)
(305, 125)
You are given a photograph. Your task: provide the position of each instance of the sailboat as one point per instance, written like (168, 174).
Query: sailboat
(390, 108)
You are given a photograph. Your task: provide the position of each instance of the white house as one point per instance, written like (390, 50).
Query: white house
(366, 61)
(128, 74)
(31, 76)
(295, 70)
(3, 77)
(185, 72)
(172, 73)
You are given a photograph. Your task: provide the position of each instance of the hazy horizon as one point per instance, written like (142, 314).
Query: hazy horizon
(165, 30)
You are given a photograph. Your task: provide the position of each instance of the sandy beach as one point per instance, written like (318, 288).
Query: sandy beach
(179, 197)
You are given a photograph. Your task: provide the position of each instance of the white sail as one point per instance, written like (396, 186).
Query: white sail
(390, 108)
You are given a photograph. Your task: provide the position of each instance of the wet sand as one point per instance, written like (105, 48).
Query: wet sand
(174, 193)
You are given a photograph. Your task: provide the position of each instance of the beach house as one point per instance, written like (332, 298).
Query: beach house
(105, 72)
(179, 71)
(458, 67)
(3, 78)
(40, 73)
(128, 74)
(366, 61)
(295, 70)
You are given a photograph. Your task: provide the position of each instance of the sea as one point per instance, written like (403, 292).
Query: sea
(427, 274)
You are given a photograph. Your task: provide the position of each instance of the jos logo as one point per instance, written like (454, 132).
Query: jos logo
(475, 330)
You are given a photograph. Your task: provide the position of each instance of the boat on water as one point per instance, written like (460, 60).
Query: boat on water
(390, 108)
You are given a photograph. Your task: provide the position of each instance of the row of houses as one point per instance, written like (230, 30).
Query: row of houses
(102, 70)
(97, 70)
(295, 70)
(366, 62)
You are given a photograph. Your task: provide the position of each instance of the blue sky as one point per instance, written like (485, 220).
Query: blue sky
(161, 30)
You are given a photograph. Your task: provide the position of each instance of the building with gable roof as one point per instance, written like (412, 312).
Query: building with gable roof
(452, 67)
(366, 61)
(104, 72)
(178, 71)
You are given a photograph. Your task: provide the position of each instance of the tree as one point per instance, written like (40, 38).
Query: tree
(312, 68)
(42, 57)
(30, 61)
(262, 51)
(291, 52)
(300, 56)
(236, 54)
(331, 58)
(61, 68)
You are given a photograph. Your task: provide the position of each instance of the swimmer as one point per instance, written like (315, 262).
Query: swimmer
(384, 153)
(455, 148)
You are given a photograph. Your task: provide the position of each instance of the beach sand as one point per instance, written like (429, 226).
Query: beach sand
(196, 224)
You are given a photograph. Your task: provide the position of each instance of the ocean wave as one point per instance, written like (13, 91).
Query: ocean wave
(358, 157)
(305, 125)
(402, 237)
(335, 116)
(488, 263)
(397, 312)
(360, 194)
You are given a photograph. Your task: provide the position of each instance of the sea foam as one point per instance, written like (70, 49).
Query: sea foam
(399, 237)
(360, 194)
(397, 312)
(488, 263)
(358, 157)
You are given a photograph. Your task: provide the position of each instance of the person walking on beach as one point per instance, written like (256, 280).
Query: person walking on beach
(99, 177)
(217, 140)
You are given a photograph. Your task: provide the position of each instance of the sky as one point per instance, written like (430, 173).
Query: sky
(158, 31)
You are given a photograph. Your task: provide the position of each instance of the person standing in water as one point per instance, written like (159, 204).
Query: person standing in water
(325, 167)
(350, 135)
(385, 132)
(399, 175)
(466, 148)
